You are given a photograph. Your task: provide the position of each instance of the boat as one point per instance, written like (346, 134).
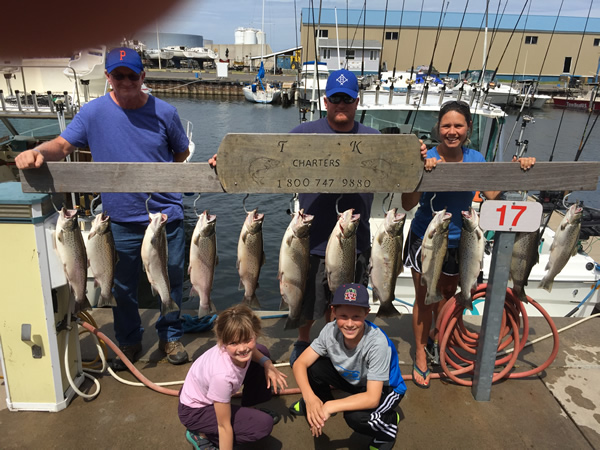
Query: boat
(260, 91)
(313, 79)
(154, 54)
(529, 96)
(472, 83)
(418, 114)
(584, 102)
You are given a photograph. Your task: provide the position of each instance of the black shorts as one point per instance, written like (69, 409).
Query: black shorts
(317, 295)
(412, 256)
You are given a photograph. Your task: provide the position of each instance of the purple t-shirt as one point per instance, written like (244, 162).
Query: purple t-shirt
(212, 378)
(322, 206)
(152, 133)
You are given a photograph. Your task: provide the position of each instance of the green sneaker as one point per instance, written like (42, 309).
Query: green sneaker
(199, 442)
(298, 408)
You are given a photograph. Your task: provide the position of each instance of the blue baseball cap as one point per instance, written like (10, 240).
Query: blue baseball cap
(342, 81)
(124, 57)
(352, 294)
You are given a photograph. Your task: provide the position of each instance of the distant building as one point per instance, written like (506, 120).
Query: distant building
(409, 39)
(166, 39)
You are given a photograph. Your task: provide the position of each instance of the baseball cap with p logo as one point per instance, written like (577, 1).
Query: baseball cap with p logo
(124, 57)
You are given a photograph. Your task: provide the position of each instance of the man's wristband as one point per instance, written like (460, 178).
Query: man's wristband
(263, 360)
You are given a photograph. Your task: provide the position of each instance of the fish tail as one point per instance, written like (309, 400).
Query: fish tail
(519, 292)
(464, 300)
(546, 283)
(252, 302)
(168, 307)
(293, 323)
(83, 305)
(107, 300)
(387, 309)
(433, 297)
(205, 311)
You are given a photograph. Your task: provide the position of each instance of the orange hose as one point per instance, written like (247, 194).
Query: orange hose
(458, 346)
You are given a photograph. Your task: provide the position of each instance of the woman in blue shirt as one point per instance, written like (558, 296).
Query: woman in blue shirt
(454, 128)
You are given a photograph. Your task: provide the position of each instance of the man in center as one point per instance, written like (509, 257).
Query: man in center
(341, 101)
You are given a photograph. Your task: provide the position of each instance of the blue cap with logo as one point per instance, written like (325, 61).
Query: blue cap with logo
(342, 82)
(124, 57)
(353, 294)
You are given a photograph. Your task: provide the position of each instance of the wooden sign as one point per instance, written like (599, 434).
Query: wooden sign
(319, 163)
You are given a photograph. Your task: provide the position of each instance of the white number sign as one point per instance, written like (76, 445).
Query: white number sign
(496, 215)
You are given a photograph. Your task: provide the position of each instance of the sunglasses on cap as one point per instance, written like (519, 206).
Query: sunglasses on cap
(120, 76)
(336, 99)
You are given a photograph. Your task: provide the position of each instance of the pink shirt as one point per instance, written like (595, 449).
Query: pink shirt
(212, 378)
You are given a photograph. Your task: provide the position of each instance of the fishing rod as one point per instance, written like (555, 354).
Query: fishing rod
(574, 68)
(362, 63)
(457, 38)
(495, 27)
(473, 52)
(426, 83)
(412, 67)
(383, 38)
(397, 49)
(512, 81)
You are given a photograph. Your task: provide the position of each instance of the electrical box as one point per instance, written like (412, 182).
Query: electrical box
(34, 301)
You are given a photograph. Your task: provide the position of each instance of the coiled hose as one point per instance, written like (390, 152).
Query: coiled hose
(458, 345)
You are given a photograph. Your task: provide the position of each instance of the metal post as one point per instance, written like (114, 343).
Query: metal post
(34, 101)
(492, 316)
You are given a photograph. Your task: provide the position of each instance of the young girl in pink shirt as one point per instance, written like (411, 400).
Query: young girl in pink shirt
(205, 399)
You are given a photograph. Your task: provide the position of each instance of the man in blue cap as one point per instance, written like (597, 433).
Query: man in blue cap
(128, 125)
(341, 101)
(355, 356)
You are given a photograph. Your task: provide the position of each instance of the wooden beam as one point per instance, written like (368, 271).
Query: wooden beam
(200, 177)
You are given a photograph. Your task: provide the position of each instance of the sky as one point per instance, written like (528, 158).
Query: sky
(217, 20)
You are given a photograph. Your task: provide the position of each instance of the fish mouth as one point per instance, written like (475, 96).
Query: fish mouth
(209, 217)
(258, 217)
(306, 218)
(69, 213)
(467, 214)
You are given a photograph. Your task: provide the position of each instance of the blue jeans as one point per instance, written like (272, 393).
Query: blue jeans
(128, 242)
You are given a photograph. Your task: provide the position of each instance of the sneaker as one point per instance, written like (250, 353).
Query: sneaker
(298, 408)
(131, 352)
(299, 347)
(176, 354)
(199, 442)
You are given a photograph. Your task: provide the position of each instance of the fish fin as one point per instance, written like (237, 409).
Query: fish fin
(546, 283)
(283, 305)
(195, 241)
(243, 236)
(108, 300)
(189, 269)
(262, 259)
(59, 236)
(291, 324)
(241, 286)
(216, 260)
(91, 235)
(289, 240)
(252, 302)
(193, 292)
(168, 307)
(387, 309)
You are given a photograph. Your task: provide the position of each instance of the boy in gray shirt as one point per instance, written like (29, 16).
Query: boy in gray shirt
(357, 357)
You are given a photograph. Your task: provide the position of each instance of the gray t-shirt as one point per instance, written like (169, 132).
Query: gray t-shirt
(370, 360)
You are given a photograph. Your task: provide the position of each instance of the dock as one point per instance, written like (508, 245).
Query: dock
(557, 409)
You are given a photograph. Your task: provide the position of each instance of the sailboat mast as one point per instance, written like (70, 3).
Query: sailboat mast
(262, 26)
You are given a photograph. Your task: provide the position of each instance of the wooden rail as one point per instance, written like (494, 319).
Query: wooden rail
(290, 163)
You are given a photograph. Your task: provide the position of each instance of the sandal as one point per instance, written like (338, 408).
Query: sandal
(423, 374)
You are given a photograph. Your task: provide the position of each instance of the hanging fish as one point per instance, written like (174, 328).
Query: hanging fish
(563, 246)
(68, 243)
(525, 255)
(155, 260)
(386, 262)
(433, 252)
(203, 260)
(294, 264)
(102, 258)
(251, 257)
(470, 257)
(340, 254)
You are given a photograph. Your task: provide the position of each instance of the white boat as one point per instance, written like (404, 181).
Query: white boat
(313, 80)
(472, 84)
(203, 54)
(529, 96)
(401, 82)
(154, 54)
